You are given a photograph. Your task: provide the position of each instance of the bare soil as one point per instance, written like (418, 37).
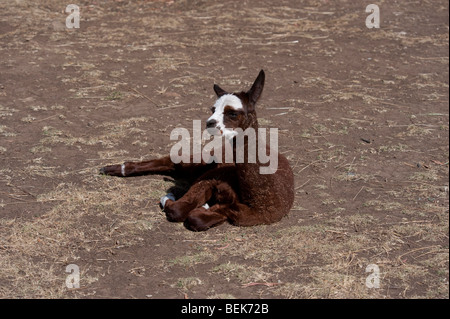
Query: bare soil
(362, 115)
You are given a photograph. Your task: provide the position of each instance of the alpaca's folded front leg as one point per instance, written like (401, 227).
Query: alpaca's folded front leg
(197, 196)
(201, 219)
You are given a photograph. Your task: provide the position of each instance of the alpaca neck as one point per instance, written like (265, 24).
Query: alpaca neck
(248, 163)
(245, 145)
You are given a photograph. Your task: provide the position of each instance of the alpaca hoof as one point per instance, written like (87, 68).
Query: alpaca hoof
(164, 199)
(112, 170)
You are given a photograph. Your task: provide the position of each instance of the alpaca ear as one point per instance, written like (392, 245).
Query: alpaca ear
(219, 91)
(255, 92)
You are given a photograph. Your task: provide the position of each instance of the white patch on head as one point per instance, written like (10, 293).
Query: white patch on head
(221, 103)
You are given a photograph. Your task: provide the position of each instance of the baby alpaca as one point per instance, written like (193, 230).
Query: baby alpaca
(236, 192)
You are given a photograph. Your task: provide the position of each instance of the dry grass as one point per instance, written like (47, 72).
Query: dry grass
(113, 90)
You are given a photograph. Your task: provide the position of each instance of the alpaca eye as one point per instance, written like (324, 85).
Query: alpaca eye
(232, 115)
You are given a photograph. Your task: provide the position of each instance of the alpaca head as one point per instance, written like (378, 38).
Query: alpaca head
(235, 110)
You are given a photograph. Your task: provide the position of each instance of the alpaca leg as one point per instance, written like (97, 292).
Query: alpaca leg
(163, 166)
(160, 166)
(201, 219)
(197, 196)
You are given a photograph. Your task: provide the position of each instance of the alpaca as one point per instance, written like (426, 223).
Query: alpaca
(235, 192)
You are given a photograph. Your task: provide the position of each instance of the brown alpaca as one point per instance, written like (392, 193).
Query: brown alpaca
(236, 192)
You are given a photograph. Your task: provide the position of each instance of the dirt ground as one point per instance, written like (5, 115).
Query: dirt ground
(362, 116)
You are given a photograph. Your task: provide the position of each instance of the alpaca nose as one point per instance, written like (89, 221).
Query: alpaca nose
(211, 123)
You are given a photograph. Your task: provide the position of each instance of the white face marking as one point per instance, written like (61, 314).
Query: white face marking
(221, 103)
